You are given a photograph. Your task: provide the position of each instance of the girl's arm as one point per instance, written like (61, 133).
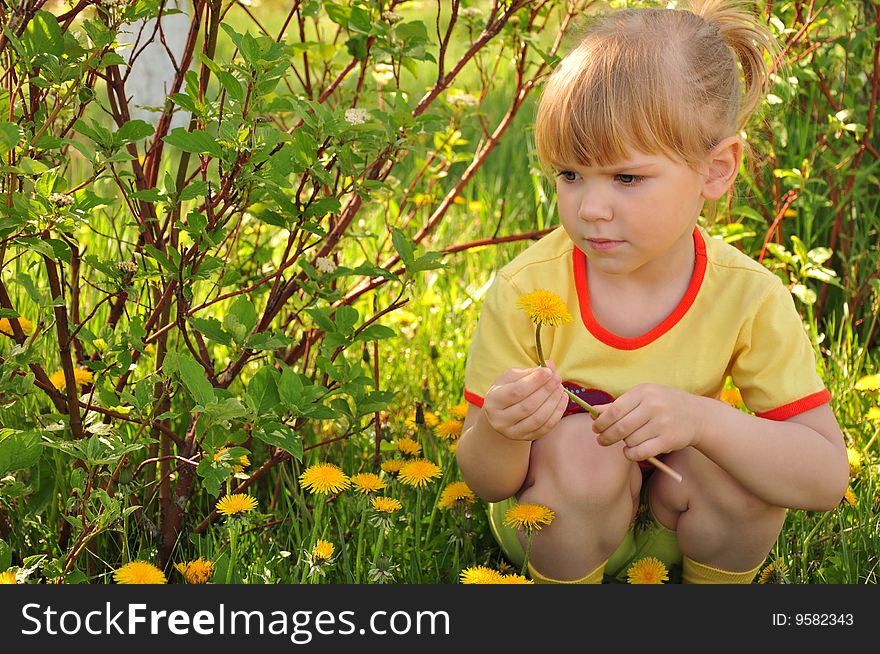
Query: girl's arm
(521, 406)
(799, 463)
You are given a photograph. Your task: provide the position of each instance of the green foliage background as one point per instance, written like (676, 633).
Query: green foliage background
(298, 270)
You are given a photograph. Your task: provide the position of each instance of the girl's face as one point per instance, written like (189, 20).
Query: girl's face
(636, 217)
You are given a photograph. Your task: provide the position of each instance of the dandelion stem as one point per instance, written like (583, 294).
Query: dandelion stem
(233, 537)
(525, 565)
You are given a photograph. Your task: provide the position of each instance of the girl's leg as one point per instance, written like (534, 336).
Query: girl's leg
(592, 489)
(719, 523)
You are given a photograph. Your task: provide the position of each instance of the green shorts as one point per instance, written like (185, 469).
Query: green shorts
(646, 537)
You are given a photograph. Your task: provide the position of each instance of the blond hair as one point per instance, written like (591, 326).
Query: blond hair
(662, 81)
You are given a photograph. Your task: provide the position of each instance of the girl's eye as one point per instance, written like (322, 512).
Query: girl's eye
(629, 180)
(567, 175)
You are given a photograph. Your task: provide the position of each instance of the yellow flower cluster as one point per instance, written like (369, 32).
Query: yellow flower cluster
(139, 572)
(199, 571)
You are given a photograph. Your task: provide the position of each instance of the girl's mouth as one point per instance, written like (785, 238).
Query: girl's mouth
(603, 243)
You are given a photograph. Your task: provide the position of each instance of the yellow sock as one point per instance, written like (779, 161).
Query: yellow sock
(699, 573)
(595, 577)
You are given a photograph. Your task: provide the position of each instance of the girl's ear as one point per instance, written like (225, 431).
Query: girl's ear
(722, 167)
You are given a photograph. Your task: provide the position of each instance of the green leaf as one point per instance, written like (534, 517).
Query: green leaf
(197, 142)
(10, 135)
(43, 35)
(18, 450)
(280, 435)
(403, 246)
(375, 333)
(133, 130)
(262, 391)
(211, 328)
(192, 375)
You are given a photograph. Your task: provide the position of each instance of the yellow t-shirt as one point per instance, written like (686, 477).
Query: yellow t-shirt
(736, 319)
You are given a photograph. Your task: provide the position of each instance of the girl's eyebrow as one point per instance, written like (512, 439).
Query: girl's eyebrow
(614, 168)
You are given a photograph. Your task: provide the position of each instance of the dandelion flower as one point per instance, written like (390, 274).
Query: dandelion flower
(6, 328)
(236, 503)
(456, 493)
(773, 573)
(199, 571)
(868, 383)
(648, 570)
(386, 504)
(324, 478)
(238, 466)
(855, 459)
(544, 308)
(733, 397)
(81, 376)
(323, 550)
(408, 446)
(367, 482)
(7, 577)
(431, 419)
(480, 574)
(418, 472)
(514, 579)
(391, 466)
(139, 572)
(460, 410)
(850, 498)
(873, 414)
(449, 429)
(528, 516)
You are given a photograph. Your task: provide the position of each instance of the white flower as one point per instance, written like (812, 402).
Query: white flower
(356, 116)
(392, 17)
(61, 199)
(470, 12)
(383, 73)
(325, 265)
(127, 266)
(460, 100)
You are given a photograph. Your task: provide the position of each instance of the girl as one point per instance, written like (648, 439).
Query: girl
(640, 124)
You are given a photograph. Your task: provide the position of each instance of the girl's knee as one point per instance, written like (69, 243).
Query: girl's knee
(572, 466)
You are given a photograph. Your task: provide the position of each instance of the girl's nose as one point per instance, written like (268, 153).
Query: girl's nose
(594, 206)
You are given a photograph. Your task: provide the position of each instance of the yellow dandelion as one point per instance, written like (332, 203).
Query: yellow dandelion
(418, 472)
(139, 572)
(453, 446)
(431, 419)
(403, 317)
(528, 516)
(236, 503)
(733, 397)
(505, 568)
(199, 571)
(648, 570)
(544, 308)
(6, 328)
(7, 577)
(323, 550)
(515, 579)
(409, 446)
(367, 482)
(243, 460)
(855, 459)
(324, 478)
(456, 493)
(850, 498)
(773, 573)
(480, 574)
(81, 376)
(391, 466)
(460, 410)
(449, 429)
(873, 414)
(386, 504)
(868, 383)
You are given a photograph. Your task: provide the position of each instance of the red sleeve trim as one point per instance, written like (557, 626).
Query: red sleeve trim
(786, 411)
(473, 398)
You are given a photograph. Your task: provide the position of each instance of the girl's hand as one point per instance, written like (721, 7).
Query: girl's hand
(524, 404)
(651, 420)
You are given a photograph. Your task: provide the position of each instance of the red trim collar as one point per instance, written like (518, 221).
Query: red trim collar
(623, 343)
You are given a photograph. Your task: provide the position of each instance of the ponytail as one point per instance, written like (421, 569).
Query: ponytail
(749, 39)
